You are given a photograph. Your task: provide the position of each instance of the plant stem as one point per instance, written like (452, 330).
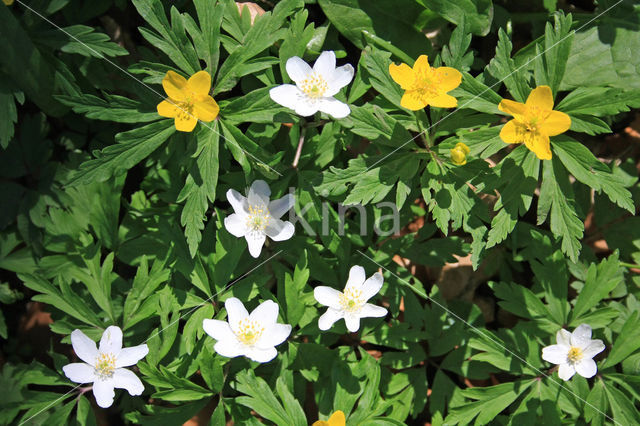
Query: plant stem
(629, 265)
(300, 144)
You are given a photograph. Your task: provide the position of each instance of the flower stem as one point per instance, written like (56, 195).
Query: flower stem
(629, 265)
(300, 144)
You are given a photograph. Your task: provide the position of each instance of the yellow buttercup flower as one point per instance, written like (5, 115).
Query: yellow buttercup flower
(424, 85)
(459, 154)
(534, 121)
(7, 2)
(336, 419)
(188, 100)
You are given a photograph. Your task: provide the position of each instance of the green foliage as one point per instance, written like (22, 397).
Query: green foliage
(113, 217)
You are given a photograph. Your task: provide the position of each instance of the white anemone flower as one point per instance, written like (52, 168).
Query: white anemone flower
(574, 352)
(253, 335)
(352, 303)
(257, 218)
(314, 87)
(103, 366)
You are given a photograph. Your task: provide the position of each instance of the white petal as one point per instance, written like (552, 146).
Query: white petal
(340, 78)
(587, 368)
(279, 230)
(563, 337)
(126, 379)
(236, 225)
(261, 189)
(266, 313)
(306, 106)
(274, 335)
(79, 372)
(219, 330)
(372, 286)
(235, 312)
(329, 318)
(325, 65)
(372, 311)
(356, 277)
(255, 243)
(333, 107)
(84, 347)
(327, 296)
(282, 205)
(352, 322)
(261, 355)
(566, 371)
(581, 336)
(111, 342)
(594, 348)
(103, 392)
(228, 348)
(555, 354)
(131, 356)
(297, 69)
(237, 201)
(286, 95)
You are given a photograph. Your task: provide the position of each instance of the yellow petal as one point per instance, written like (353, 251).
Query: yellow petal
(422, 64)
(186, 122)
(443, 101)
(458, 156)
(514, 108)
(556, 122)
(463, 147)
(451, 78)
(539, 144)
(168, 108)
(174, 85)
(207, 109)
(411, 100)
(541, 97)
(320, 423)
(337, 419)
(401, 74)
(200, 83)
(512, 132)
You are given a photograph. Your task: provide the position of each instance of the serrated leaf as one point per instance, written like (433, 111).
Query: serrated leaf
(112, 108)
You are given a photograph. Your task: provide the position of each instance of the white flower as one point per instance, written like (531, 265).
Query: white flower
(352, 303)
(574, 352)
(103, 366)
(254, 336)
(314, 88)
(256, 217)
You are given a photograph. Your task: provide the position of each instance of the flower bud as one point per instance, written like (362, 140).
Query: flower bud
(459, 154)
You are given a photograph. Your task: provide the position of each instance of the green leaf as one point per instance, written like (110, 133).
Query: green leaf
(131, 148)
(586, 168)
(601, 279)
(503, 68)
(260, 397)
(474, 94)
(397, 22)
(82, 40)
(254, 107)
(477, 14)
(628, 341)
(521, 301)
(293, 287)
(377, 63)
(8, 97)
(112, 108)
(551, 56)
(624, 411)
(599, 101)
(596, 404)
(200, 186)
(556, 195)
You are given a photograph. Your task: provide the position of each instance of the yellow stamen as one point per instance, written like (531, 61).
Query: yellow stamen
(314, 86)
(575, 354)
(351, 300)
(249, 331)
(258, 218)
(105, 365)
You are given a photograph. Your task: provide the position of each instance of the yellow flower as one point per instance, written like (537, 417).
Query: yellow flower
(534, 121)
(188, 100)
(424, 85)
(7, 2)
(459, 154)
(336, 419)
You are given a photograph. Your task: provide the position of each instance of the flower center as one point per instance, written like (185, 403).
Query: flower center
(575, 354)
(186, 110)
(258, 218)
(249, 331)
(314, 86)
(105, 366)
(351, 300)
(427, 83)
